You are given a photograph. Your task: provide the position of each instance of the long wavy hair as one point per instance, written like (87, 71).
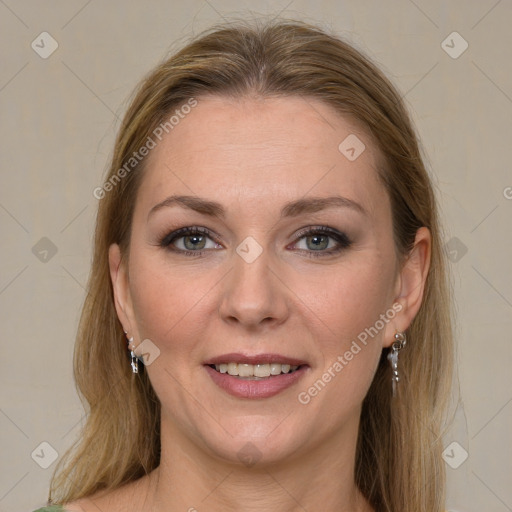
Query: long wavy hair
(398, 460)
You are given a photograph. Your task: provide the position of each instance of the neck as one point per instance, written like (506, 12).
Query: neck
(190, 480)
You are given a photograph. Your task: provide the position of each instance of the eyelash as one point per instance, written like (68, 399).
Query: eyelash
(341, 238)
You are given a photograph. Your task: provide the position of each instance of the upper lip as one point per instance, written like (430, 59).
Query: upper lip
(255, 359)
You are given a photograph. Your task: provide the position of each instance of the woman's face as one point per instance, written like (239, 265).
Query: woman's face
(284, 258)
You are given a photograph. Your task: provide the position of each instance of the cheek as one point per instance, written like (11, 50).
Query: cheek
(348, 308)
(349, 300)
(169, 302)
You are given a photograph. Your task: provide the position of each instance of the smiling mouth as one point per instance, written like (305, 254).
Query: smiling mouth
(254, 371)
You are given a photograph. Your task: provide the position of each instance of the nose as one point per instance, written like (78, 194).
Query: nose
(253, 295)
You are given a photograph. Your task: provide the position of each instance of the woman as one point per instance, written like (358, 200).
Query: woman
(268, 320)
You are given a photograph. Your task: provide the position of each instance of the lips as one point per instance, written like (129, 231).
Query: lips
(255, 376)
(255, 359)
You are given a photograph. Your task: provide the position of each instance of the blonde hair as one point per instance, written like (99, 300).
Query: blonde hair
(398, 460)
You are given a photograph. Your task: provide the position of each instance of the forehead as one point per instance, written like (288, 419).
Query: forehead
(255, 151)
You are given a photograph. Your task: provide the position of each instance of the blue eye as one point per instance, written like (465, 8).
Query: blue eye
(323, 241)
(189, 240)
(319, 241)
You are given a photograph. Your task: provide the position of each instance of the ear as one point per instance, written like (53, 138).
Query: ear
(411, 283)
(120, 284)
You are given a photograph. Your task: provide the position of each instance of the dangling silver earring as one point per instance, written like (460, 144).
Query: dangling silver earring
(134, 358)
(398, 344)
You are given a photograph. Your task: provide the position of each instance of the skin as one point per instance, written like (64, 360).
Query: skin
(253, 156)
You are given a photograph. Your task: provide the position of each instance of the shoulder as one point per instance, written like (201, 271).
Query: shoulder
(128, 497)
(53, 508)
(69, 507)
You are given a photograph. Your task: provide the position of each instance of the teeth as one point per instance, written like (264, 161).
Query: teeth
(262, 370)
(254, 370)
(275, 368)
(246, 370)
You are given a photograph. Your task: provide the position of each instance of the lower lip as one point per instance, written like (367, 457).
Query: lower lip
(264, 388)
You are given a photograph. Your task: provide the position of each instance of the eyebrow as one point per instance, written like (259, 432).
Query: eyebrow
(290, 209)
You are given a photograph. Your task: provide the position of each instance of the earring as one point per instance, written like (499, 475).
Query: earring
(398, 344)
(133, 357)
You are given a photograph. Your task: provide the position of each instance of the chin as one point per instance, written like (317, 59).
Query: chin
(252, 451)
(255, 440)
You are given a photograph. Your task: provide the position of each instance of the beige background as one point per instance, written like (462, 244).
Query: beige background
(58, 120)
